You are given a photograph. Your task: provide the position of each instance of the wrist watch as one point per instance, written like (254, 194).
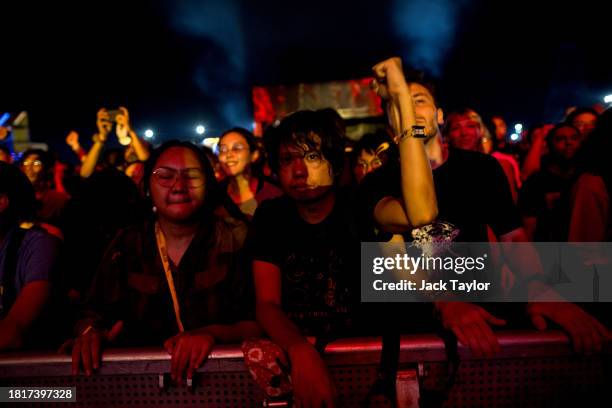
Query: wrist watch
(417, 132)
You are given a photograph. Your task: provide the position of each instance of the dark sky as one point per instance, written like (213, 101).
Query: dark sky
(182, 62)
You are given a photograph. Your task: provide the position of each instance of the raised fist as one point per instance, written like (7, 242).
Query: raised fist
(72, 140)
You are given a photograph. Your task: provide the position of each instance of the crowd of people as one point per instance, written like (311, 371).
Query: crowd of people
(177, 247)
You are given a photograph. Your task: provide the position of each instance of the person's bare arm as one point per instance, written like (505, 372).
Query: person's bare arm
(311, 380)
(418, 205)
(104, 128)
(141, 150)
(72, 140)
(532, 161)
(27, 307)
(268, 310)
(587, 334)
(91, 159)
(590, 210)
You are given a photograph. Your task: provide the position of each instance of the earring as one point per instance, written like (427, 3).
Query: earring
(154, 209)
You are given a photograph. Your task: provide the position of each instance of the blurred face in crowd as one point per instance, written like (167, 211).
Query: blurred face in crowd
(565, 142)
(464, 132)
(177, 185)
(585, 123)
(501, 129)
(304, 174)
(33, 168)
(129, 154)
(366, 163)
(235, 155)
(427, 114)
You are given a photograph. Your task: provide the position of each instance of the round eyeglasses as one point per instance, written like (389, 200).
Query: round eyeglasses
(167, 177)
(32, 163)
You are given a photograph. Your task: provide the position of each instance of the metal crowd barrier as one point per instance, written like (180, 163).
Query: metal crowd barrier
(533, 369)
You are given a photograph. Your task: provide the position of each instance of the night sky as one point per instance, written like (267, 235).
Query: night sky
(182, 62)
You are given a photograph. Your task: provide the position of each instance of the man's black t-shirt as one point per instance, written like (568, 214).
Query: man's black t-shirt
(319, 263)
(545, 195)
(471, 189)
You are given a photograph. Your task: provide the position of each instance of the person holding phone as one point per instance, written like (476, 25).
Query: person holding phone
(137, 149)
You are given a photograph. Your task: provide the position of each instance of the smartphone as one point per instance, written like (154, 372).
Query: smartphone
(112, 115)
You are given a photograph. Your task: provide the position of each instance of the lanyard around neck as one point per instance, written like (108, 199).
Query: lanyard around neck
(163, 253)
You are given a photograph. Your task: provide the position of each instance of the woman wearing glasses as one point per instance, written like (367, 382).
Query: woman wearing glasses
(39, 166)
(240, 160)
(176, 280)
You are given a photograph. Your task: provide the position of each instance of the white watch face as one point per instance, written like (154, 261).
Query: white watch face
(418, 132)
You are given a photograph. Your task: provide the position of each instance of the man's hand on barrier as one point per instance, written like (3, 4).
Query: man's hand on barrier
(188, 350)
(586, 333)
(312, 383)
(87, 348)
(471, 324)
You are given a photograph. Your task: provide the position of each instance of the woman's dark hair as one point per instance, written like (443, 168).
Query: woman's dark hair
(248, 136)
(594, 154)
(301, 128)
(420, 77)
(579, 111)
(491, 127)
(20, 192)
(372, 142)
(45, 158)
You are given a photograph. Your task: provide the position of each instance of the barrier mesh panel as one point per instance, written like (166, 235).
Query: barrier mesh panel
(513, 382)
(528, 382)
